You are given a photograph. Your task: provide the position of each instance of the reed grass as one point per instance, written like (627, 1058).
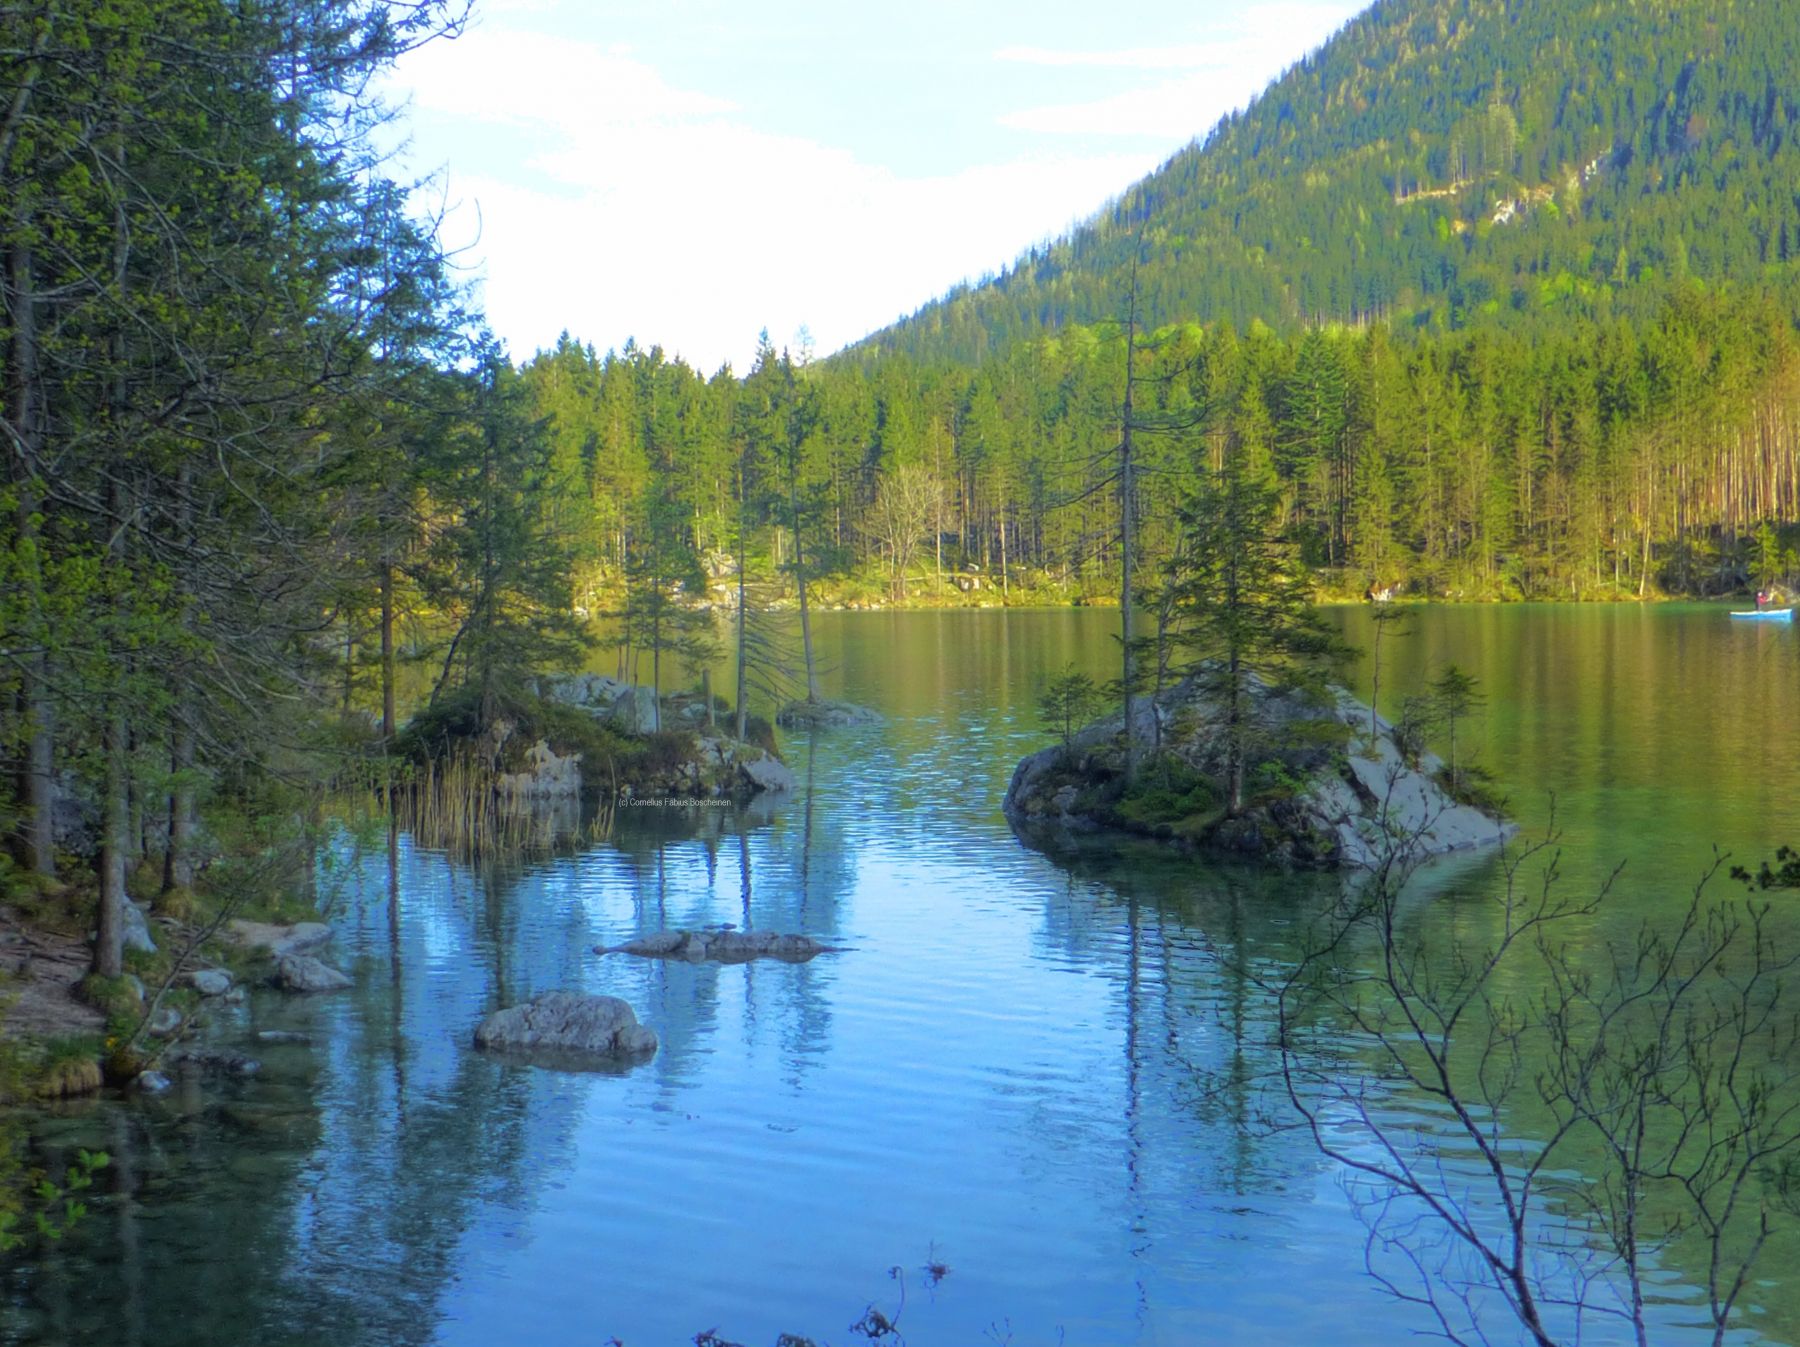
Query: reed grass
(457, 804)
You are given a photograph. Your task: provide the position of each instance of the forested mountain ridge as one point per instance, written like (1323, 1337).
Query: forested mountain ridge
(1449, 163)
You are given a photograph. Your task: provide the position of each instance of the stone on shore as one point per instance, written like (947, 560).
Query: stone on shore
(720, 946)
(303, 973)
(279, 940)
(137, 930)
(568, 1022)
(210, 981)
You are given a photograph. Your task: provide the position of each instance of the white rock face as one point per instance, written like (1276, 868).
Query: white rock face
(568, 1022)
(546, 776)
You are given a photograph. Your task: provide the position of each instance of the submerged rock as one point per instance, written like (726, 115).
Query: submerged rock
(303, 973)
(720, 946)
(198, 1057)
(568, 1022)
(825, 715)
(150, 1082)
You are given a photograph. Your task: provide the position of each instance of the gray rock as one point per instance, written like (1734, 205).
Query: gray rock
(765, 773)
(281, 1036)
(303, 973)
(568, 1022)
(634, 709)
(151, 1082)
(210, 981)
(164, 1020)
(720, 946)
(279, 940)
(137, 930)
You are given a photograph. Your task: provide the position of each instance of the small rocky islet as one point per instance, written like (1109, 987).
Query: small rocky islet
(1330, 785)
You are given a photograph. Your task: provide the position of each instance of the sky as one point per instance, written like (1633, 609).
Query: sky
(690, 172)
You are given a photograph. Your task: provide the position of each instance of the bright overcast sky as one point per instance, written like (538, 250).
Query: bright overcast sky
(688, 172)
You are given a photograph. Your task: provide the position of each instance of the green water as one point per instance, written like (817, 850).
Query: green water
(1009, 1069)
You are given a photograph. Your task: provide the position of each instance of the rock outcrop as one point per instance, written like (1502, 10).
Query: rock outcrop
(720, 946)
(565, 1022)
(1329, 796)
(718, 765)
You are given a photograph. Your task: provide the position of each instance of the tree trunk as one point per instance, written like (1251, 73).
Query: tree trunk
(23, 395)
(743, 655)
(387, 648)
(178, 858)
(806, 641)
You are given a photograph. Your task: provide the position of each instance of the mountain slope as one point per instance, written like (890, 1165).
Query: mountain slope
(1450, 162)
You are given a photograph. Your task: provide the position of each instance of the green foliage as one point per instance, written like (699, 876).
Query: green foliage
(1169, 792)
(51, 1208)
(1243, 609)
(1783, 874)
(1474, 787)
(1068, 703)
(1453, 699)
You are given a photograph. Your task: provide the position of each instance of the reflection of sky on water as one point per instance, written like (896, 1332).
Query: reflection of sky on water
(1041, 1071)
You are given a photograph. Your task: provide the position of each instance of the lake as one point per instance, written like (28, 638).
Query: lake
(995, 1116)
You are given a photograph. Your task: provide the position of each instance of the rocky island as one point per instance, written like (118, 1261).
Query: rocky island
(1329, 783)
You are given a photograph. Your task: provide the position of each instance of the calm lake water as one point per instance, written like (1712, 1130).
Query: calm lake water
(1007, 1071)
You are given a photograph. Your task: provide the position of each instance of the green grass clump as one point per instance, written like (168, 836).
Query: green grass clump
(1169, 793)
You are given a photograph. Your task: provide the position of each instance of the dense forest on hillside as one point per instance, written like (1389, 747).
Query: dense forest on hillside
(1619, 462)
(1519, 164)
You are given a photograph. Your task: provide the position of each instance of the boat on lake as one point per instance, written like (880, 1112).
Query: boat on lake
(1767, 614)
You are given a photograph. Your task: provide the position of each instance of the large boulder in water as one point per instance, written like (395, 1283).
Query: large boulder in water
(568, 1022)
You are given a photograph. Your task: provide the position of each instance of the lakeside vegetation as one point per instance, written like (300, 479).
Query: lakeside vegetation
(262, 456)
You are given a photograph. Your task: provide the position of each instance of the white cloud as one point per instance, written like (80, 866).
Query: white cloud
(1222, 75)
(652, 211)
(1132, 58)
